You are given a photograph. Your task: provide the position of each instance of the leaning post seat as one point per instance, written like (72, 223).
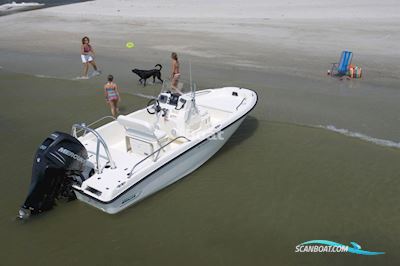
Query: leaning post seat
(141, 136)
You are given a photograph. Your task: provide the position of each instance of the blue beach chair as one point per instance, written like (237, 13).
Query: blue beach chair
(340, 69)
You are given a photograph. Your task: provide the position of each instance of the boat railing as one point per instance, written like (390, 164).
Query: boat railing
(95, 122)
(243, 100)
(100, 140)
(156, 152)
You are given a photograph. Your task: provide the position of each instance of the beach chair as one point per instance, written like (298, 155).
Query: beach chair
(341, 68)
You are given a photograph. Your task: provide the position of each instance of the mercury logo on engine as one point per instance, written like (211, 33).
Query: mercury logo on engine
(71, 154)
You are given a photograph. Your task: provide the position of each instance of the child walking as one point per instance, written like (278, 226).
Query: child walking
(87, 56)
(112, 95)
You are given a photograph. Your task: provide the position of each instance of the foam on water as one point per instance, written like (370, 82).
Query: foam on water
(52, 77)
(13, 7)
(10, 7)
(56, 77)
(346, 132)
(46, 76)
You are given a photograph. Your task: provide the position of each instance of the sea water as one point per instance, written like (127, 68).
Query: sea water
(272, 186)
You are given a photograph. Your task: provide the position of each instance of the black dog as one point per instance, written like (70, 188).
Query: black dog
(145, 74)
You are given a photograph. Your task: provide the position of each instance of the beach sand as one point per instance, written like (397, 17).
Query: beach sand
(284, 49)
(294, 183)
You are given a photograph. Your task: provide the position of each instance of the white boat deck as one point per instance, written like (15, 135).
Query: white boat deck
(222, 109)
(114, 181)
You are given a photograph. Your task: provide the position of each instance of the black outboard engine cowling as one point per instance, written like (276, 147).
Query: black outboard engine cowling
(60, 161)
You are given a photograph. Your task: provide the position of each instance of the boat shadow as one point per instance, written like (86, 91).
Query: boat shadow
(245, 131)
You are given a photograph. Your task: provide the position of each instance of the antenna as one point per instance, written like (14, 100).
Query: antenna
(190, 77)
(192, 85)
(193, 108)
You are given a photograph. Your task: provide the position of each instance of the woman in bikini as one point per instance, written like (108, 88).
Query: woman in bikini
(112, 95)
(175, 74)
(87, 56)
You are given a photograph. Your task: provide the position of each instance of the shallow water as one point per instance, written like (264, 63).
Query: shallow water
(362, 106)
(271, 187)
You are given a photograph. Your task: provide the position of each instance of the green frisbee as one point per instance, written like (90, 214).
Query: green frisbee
(130, 45)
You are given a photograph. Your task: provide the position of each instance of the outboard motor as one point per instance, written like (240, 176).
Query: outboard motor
(60, 162)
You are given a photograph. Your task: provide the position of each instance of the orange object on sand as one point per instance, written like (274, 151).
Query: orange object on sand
(351, 70)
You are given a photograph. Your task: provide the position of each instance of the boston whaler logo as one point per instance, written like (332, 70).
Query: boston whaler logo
(326, 246)
(71, 154)
(130, 198)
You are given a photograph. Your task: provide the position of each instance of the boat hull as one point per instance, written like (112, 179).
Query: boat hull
(167, 174)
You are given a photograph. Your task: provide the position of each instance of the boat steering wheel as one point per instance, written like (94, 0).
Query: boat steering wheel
(153, 106)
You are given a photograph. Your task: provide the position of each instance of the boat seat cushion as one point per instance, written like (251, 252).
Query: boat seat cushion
(158, 135)
(141, 129)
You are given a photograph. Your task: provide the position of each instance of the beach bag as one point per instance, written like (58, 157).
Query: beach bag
(355, 72)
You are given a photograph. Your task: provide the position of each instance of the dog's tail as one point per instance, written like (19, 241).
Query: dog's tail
(158, 65)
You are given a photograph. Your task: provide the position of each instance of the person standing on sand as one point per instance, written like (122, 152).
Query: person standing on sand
(87, 56)
(112, 95)
(175, 73)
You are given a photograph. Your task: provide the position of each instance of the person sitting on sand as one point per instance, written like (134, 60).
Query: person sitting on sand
(175, 74)
(87, 56)
(112, 95)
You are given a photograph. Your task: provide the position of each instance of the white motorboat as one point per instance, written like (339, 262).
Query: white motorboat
(124, 161)
(19, 7)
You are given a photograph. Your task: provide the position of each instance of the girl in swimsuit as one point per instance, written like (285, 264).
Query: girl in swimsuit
(175, 74)
(112, 95)
(87, 56)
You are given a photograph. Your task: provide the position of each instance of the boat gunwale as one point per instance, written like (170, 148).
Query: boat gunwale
(81, 191)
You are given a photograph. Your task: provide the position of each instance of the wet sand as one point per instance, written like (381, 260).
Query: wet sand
(286, 59)
(287, 181)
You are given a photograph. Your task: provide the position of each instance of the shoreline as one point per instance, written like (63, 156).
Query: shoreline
(269, 112)
(285, 59)
(296, 46)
